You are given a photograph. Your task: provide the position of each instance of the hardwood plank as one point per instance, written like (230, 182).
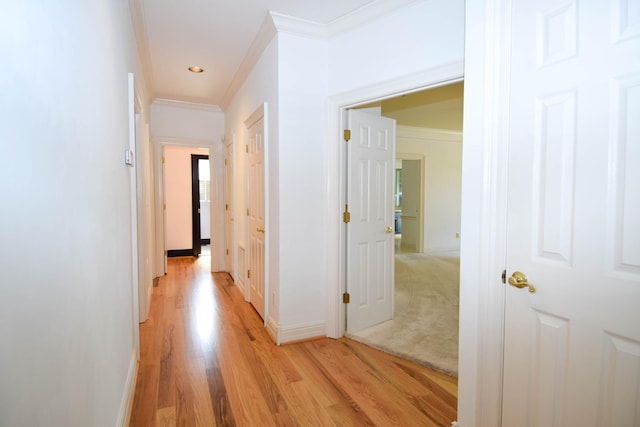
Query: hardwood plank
(207, 360)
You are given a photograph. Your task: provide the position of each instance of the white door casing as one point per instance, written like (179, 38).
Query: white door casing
(370, 237)
(572, 348)
(228, 207)
(256, 215)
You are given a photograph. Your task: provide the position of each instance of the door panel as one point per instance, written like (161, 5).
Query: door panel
(572, 348)
(256, 216)
(370, 197)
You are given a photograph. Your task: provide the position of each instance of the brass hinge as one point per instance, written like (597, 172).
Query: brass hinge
(247, 211)
(226, 206)
(163, 160)
(346, 298)
(227, 251)
(504, 276)
(225, 162)
(248, 274)
(246, 148)
(346, 216)
(164, 206)
(165, 253)
(347, 135)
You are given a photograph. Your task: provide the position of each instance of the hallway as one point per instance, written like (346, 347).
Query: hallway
(207, 360)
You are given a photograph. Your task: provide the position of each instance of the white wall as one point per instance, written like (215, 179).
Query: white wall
(194, 125)
(412, 39)
(177, 190)
(66, 272)
(303, 68)
(442, 151)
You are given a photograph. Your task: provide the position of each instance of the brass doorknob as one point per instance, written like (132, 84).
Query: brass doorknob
(519, 280)
(389, 230)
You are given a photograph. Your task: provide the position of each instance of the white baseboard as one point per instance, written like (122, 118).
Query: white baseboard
(302, 332)
(127, 395)
(436, 249)
(272, 329)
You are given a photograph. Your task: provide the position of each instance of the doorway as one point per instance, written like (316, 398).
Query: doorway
(200, 204)
(180, 195)
(427, 224)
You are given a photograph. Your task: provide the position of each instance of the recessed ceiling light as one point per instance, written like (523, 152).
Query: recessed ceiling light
(196, 69)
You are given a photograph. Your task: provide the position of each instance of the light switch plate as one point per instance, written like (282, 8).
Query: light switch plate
(128, 157)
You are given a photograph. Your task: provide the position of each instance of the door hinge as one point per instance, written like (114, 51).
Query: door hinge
(225, 162)
(504, 276)
(246, 148)
(346, 215)
(226, 207)
(247, 211)
(164, 206)
(347, 135)
(165, 253)
(163, 160)
(227, 251)
(248, 274)
(346, 298)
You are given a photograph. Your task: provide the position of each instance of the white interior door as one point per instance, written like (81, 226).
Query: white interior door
(572, 348)
(370, 237)
(228, 207)
(256, 216)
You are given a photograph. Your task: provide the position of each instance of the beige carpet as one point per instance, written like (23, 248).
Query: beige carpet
(425, 327)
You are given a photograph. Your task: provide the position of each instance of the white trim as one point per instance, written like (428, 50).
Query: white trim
(266, 33)
(420, 158)
(262, 112)
(411, 132)
(277, 22)
(342, 24)
(431, 78)
(137, 13)
(484, 205)
(133, 212)
(437, 76)
(272, 330)
(126, 403)
(301, 332)
(187, 105)
(182, 142)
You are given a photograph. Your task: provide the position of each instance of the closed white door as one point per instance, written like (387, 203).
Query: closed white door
(572, 347)
(228, 208)
(256, 216)
(370, 231)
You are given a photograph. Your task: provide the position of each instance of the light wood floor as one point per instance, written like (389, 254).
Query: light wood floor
(206, 360)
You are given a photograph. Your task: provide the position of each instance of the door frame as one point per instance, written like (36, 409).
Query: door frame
(484, 184)
(196, 229)
(421, 160)
(338, 104)
(159, 143)
(262, 112)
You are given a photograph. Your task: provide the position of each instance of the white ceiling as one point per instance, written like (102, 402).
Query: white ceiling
(215, 35)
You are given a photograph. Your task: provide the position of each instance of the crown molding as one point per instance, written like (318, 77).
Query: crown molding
(277, 22)
(353, 19)
(136, 11)
(266, 33)
(414, 132)
(187, 105)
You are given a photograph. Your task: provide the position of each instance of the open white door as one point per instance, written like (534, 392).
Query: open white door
(572, 348)
(256, 214)
(370, 237)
